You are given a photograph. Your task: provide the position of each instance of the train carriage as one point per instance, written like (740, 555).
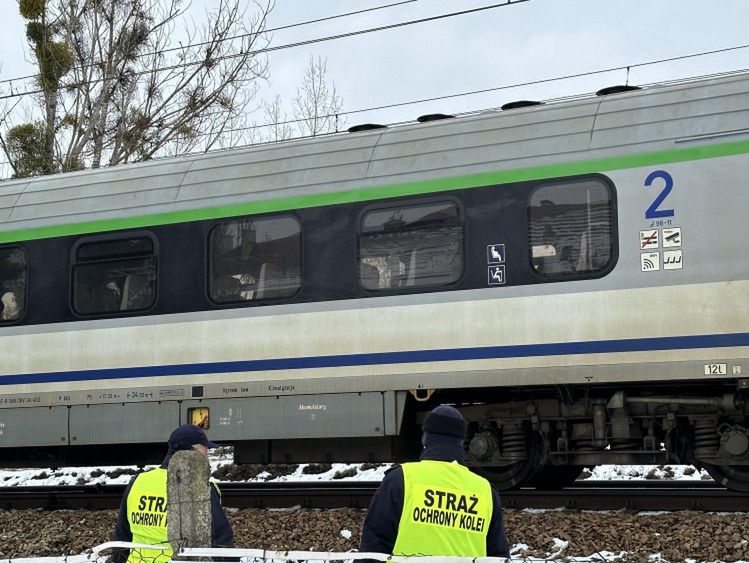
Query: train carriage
(572, 275)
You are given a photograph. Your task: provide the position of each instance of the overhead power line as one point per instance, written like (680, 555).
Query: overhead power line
(241, 36)
(498, 88)
(300, 43)
(492, 89)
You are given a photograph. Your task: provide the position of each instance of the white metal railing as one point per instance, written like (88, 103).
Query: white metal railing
(100, 552)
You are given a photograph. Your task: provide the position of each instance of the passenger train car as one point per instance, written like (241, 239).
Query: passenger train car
(574, 276)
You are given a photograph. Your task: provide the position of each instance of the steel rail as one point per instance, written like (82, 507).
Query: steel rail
(585, 495)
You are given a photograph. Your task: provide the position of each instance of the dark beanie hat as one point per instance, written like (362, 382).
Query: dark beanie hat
(186, 436)
(445, 420)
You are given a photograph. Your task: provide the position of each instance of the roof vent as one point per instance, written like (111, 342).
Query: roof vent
(521, 104)
(616, 89)
(366, 127)
(433, 117)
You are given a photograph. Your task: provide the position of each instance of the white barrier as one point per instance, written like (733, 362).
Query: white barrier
(101, 552)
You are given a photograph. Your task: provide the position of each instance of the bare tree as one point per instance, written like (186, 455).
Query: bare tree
(317, 105)
(278, 127)
(124, 94)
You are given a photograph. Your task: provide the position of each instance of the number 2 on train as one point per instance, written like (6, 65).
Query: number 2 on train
(653, 212)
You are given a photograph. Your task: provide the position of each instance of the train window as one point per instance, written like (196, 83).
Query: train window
(411, 246)
(13, 274)
(114, 275)
(255, 259)
(571, 227)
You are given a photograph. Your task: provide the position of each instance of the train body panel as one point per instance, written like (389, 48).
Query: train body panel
(647, 291)
(699, 300)
(496, 335)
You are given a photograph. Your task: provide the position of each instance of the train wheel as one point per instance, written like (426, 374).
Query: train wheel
(508, 476)
(517, 474)
(551, 477)
(734, 477)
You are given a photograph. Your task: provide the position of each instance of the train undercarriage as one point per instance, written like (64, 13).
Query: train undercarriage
(547, 441)
(542, 436)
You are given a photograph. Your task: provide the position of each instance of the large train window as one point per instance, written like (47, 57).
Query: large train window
(114, 274)
(410, 246)
(255, 258)
(13, 274)
(571, 226)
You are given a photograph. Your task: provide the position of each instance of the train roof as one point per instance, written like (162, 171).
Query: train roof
(523, 143)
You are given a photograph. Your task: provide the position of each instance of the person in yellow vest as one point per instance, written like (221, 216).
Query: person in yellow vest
(144, 509)
(436, 506)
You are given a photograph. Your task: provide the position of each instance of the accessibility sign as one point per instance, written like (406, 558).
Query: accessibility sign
(495, 254)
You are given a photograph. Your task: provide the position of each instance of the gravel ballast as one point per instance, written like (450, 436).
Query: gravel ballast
(676, 536)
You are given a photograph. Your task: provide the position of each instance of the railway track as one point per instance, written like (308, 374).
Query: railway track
(586, 495)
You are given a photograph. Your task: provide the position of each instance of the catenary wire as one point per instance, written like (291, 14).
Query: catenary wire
(241, 36)
(471, 112)
(500, 88)
(492, 89)
(300, 43)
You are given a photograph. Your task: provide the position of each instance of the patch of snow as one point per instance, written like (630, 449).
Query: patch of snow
(605, 556)
(223, 456)
(372, 474)
(518, 547)
(626, 472)
(68, 476)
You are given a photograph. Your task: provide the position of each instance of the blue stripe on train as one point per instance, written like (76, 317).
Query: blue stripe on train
(381, 358)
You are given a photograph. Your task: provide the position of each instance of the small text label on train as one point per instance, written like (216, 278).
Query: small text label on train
(716, 369)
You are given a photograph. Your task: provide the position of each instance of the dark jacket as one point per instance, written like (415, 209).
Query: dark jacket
(381, 523)
(221, 532)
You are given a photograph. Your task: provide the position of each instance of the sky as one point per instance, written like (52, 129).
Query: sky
(521, 42)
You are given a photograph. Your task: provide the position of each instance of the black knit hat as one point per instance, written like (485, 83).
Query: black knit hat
(445, 420)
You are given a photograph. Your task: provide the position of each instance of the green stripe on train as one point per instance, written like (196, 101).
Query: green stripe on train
(381, 192)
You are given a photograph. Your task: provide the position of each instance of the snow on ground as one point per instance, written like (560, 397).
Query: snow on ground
(303, 472)
(67, 476)
(115, 475)
(626, 472)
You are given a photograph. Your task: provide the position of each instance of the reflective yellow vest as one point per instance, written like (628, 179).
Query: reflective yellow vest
(146, 513)
(446, 511)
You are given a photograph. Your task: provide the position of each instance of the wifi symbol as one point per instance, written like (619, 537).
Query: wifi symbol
(647, 264)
